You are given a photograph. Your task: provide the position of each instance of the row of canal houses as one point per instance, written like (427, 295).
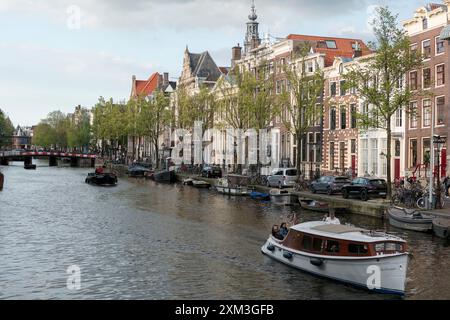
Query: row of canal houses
(334, 144)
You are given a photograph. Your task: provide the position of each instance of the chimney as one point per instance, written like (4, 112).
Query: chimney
(236, 54)
(166, 78)
(160, 80)
(357, 51)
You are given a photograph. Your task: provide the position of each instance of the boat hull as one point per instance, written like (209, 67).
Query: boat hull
(355, 271)
(165, 177)
(284, 199)
(441, 228)
(232, 191)
(102, 179)
(308, 205)
(403, 221)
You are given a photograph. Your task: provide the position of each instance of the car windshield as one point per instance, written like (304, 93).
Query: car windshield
(378, 182)
(291, 173)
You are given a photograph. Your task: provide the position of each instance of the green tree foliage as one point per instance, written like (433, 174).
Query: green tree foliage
(6, 130)
(299, 103)
(379, 78)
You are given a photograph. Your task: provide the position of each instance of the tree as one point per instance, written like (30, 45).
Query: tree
(6, 129)
(379, 78)
(154, 117)
(44, 135)
(299, 102)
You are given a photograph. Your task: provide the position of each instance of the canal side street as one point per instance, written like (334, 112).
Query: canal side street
(372, 208)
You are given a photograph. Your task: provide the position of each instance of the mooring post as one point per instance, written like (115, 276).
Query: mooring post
(93, 163)
(2, 179)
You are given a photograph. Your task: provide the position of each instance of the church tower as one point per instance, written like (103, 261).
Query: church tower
(252, 39)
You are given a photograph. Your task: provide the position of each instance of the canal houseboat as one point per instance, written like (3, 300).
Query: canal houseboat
(223, 186)
(367, 259)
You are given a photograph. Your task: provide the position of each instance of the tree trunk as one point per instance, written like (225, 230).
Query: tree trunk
(299, 154)
(388, 160)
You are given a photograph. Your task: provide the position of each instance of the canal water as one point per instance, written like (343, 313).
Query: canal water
(141, 240)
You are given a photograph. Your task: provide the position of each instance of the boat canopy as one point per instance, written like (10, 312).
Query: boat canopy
(337, 228)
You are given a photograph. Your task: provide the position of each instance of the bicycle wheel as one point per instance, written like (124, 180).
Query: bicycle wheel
(421, 203)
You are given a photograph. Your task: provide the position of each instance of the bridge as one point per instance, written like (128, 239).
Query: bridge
(27, 157)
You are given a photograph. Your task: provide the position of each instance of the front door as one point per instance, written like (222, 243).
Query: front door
(397, 169)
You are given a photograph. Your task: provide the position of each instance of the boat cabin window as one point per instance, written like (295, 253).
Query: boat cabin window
(317, 244)
(332, 246)
(358, 248)
(389, 247)
(312, 244)
(307, 242)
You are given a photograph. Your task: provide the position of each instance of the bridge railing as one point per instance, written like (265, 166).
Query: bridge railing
(7, 154)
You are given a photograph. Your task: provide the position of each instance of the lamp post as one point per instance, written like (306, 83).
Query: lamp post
(438, 141)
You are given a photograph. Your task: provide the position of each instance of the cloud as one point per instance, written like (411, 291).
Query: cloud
(142, 15)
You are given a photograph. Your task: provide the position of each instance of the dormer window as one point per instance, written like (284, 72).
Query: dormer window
(331, 44)
(425, 23)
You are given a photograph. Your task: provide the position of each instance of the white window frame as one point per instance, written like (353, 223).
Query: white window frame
(423, 79)
(435, 75)
(436, 47)
(415, 116)
(423, 51)
(436, 109)
(423, 113)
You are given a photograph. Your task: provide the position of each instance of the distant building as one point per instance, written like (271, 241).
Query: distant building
(22, 138)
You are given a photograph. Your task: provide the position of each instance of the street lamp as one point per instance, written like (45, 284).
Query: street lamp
(439, 142)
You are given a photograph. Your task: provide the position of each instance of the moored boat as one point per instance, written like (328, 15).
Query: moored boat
(188, 182)
(367, 259)
(441, 227)
(138, 171)
(260, 196)
(103, 179)
(165, 176)
(201, 184)
(223, 187)
(283, 197)
(314, 205)
(30, 167)
(409, 219)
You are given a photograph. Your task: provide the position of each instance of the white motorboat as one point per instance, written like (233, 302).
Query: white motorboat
(223, 187)
(371, 260)
(283, 197)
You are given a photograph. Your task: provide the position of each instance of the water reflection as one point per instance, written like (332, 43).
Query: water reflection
(141, 240)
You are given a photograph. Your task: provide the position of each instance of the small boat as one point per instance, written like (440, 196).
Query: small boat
(188, 182)
(224, 188)
(138, 171)
(441, 227)
(410, 219)
(104, 179)
(314, 205)
(367, 259)
(283, 197)
(30, 167)
(201, 184)
(165, 177)
(260, 196)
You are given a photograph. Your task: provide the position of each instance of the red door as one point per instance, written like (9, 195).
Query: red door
(397, 169)
(354, 166)
(444, 163)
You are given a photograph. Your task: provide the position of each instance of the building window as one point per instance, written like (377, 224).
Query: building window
(440, 46)
(397, 148)
(426, 113)
(353, 146)
(333, 89)
(279, 87)
(384, 158)
(311, 145)
(353, 115)
(309, 67)
(413, 152)
(343, 118)
(413, 115)
(425, 23)
(399, 118)
(440, 75)
(318, 115)
(331, 44)
(413, 80)
(342, 156)
(426, 49)
(374, 158)
(333, 118)
(342, 88)
(440, 111)
(426, 78)
(413, 47)
(331, 155)
(365, 112)
(365, 156)
(318, 147)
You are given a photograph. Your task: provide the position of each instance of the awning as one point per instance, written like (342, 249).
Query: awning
(445, 33)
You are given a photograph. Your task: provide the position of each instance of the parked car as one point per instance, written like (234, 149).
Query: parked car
(329, 184)
(365, 188)
(212, 172)
(282, 177)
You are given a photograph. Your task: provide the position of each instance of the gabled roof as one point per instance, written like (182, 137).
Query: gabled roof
(344, 46)
(146, 87)
(203, 66)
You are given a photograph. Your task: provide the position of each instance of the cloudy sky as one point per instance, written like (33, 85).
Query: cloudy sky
(51, 60)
